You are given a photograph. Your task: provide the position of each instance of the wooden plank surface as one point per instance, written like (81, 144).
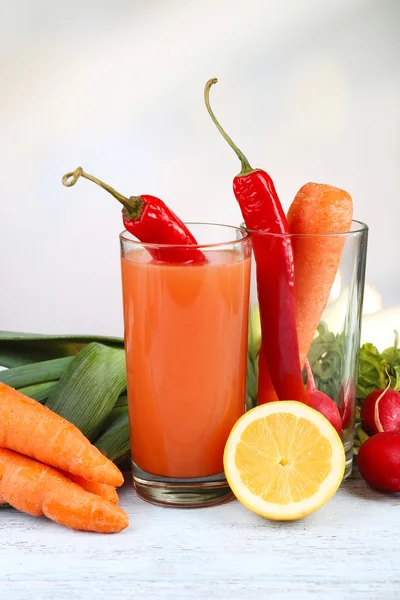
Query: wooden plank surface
(348, 549)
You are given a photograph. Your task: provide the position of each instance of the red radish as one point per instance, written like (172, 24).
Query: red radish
(321, 402)
(379, 461)
(380, 411)
(348, 404)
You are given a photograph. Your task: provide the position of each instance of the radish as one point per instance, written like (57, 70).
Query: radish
(321, 402)
(379, 461)
(380, 411)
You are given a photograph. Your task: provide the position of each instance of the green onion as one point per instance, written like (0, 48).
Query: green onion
(27, 375)
(122, 401)
(17, 349)
(114, 442)
(39, 391)
(113, 416)
(89, 388)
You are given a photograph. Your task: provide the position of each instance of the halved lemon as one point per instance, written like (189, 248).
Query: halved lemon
(284, 460)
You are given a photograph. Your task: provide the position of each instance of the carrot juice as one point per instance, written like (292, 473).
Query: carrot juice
(186, 345)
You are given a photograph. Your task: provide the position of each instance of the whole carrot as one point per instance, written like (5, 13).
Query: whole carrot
(108, 492)
(36, 489)
(34, 430)
(317, 209)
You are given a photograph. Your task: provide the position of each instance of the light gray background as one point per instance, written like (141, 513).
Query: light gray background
(309, 89)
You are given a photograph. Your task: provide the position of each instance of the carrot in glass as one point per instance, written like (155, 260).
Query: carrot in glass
(34, 430)
(317, 209)
(36, 489)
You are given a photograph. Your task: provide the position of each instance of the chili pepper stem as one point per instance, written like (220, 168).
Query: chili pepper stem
(246, 167)
(134, 205)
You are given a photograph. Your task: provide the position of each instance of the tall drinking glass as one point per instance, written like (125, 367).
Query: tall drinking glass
(186, 327)
(334, 344)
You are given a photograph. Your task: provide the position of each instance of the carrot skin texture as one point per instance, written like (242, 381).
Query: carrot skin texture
(36, 489)
(34, 430)
(108, 492)
(84, 511)
(2, 499)
(316, 209)
(24, 482)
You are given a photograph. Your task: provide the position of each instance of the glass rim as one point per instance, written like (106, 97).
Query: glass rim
(246, 236)
(360, 229)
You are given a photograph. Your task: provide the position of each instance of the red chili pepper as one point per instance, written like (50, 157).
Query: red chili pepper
(151, 221)
(266, 391)
(262, 212)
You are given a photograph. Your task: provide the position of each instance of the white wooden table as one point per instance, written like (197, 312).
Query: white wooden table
(348, 549)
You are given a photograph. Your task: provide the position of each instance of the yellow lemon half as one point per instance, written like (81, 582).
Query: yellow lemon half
(284, 460)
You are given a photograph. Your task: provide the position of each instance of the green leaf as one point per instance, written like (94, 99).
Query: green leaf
(392, 354)
(371, 371)
(394, 373)
(392, 357)
(326, 360)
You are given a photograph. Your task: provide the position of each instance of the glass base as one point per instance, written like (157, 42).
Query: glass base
(181, 493)
(348, 449)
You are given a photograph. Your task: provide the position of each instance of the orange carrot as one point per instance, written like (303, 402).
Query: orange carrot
(108, 492)
(2, 499)
(78, 509)
(316, 209)
(36, 489)
(32, 429)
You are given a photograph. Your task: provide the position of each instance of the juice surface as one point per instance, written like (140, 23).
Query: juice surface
(186, 346)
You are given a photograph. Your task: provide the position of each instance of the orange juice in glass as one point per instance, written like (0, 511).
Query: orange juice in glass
(186, 346)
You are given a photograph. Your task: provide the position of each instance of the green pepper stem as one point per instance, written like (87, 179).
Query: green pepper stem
(246, 167)
(134, 205)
